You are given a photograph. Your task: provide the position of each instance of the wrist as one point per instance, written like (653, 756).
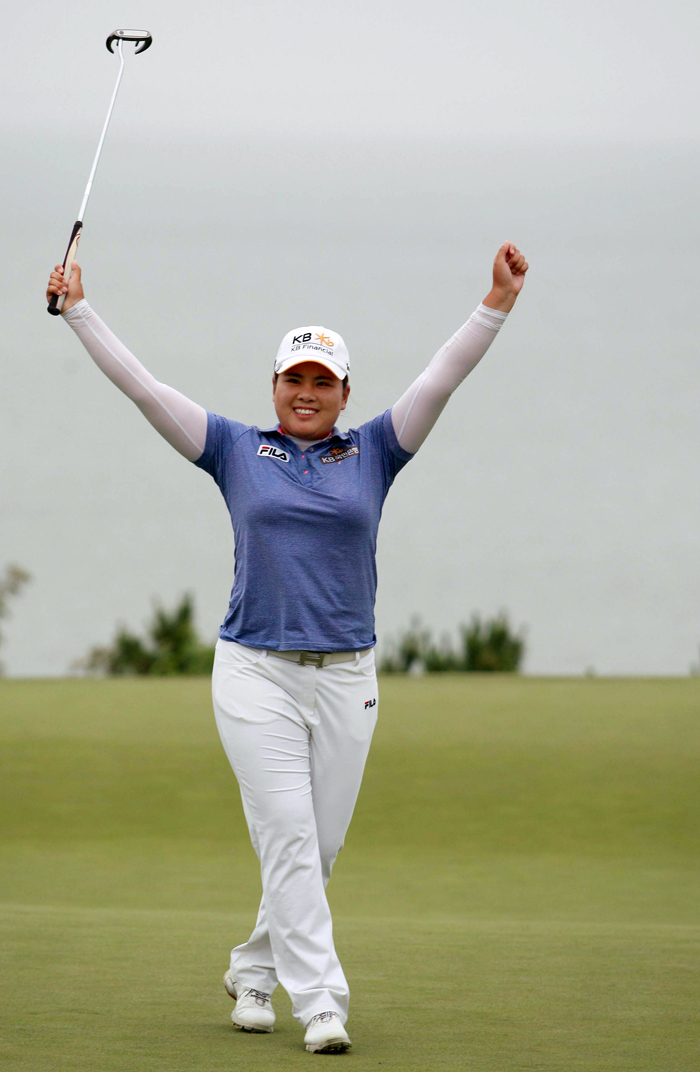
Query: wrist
(72, 300)
(66, 311)
(500, 299)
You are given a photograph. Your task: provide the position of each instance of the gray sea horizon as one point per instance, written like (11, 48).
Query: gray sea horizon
(560, 483)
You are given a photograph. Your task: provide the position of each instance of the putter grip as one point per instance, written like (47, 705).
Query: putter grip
(56, 304)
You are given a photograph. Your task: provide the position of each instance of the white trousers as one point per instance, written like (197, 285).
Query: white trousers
(297, 739)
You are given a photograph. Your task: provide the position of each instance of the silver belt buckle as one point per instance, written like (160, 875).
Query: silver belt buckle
(312, 658)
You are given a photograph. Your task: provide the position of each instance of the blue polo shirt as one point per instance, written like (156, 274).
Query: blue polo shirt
(305, 525)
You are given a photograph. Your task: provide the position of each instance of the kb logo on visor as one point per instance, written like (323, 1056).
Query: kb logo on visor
(302, 340)
(268, 451)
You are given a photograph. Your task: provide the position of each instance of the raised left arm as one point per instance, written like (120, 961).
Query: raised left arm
(415, 413)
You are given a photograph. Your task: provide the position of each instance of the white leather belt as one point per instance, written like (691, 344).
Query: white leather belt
(318, 659)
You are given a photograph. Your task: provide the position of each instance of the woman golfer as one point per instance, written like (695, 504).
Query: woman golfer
(294, 683)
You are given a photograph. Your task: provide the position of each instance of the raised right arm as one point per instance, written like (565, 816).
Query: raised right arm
(182, 422)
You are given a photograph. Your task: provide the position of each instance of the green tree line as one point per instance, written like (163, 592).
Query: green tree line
(171, 646)
(12, 581)
(489, 646)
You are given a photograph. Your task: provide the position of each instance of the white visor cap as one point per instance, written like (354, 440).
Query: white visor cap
(314, 343)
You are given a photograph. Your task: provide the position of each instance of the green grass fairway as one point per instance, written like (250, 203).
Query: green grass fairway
(520, 889)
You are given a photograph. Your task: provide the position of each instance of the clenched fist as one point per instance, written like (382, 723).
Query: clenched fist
(509, 270)
(73, 289)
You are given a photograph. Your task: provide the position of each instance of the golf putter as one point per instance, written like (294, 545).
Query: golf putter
(142, 40)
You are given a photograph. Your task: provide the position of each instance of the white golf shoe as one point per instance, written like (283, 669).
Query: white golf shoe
(253, 1010)
(326, 1034)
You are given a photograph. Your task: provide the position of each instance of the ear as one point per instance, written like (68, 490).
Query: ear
(346, 395)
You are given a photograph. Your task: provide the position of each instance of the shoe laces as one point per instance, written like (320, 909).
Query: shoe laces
(261, 998)
(322, 1018)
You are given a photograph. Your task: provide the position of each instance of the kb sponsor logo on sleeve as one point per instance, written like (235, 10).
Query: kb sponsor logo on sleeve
(338, 454)
(268, 451)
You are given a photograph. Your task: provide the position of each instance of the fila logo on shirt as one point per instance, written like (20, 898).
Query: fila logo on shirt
(370, 703)
(268, 451)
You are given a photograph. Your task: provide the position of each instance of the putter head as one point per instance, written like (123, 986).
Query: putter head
(143, 38)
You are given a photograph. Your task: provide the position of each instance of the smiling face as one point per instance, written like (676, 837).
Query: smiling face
(308, 399)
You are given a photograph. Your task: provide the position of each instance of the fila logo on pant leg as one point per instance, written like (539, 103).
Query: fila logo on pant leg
(370, 703)
(268, 451)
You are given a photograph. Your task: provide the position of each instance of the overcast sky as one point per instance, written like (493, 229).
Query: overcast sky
(358, 165)
(539, 68)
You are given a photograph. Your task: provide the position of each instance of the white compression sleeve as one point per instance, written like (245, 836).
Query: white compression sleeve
(415, 413)
(182, 422)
